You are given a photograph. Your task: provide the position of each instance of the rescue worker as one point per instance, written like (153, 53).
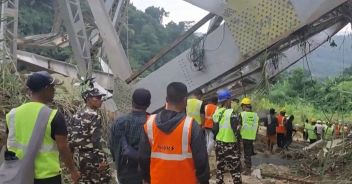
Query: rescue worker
(249, 127)
(85, 138)
(125, 132)
(195, 107)
(210, 109)
(329, 132)
(289, 130)
(227, 147)
(21, 120)
(271, 123)
(280, 129)
(320, 130)
(312, 132)
(305, 130)
(172, 148)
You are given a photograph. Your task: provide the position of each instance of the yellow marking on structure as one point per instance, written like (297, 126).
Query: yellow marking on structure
(256, 24)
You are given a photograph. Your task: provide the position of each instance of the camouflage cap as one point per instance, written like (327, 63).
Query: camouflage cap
(88, 89)
(91, 93)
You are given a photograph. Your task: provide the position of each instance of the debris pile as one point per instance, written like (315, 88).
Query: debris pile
(329, 161)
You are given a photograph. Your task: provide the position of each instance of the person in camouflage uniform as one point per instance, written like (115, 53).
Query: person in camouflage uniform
(85, 139)
(227, 136)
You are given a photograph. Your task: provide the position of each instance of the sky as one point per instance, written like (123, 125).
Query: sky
(180, 10)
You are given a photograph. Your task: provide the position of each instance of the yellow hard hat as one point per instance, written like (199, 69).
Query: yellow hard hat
(246, 101)
(282, 110)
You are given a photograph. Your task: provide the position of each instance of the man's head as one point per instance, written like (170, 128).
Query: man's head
(197, 94)
(93, 98)
(141, 99)
(272, 111)
(292, 117)
(213, 100)
(176, 95)
(42, 86)
(224, 98)
(282, 112)
(246, 104)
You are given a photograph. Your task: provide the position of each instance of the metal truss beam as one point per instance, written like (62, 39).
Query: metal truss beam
(9, 28)
(111, 42)
(73, 20)
(167, 49)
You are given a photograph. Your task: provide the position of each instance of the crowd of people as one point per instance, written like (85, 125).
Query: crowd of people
(171, 146)
(280, 129)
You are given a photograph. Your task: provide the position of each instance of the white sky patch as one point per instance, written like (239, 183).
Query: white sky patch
(180, 10)
(345, 30)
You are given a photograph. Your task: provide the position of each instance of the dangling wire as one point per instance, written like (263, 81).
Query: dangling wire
(243, 87)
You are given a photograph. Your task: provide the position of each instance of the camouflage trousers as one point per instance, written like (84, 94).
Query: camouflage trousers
(88, 164)
(228, 156)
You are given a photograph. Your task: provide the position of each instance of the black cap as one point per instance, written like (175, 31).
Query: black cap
(39, 80)
(141, 97)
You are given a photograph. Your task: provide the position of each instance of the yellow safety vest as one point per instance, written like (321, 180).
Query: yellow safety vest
(226, 133)
(329, 133)
(193, 109)
(249, 127)
(311, 132)
(21, 122)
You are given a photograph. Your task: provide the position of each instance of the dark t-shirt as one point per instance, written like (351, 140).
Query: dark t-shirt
(271, 124)
(58, 125)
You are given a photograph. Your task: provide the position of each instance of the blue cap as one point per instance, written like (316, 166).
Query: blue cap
(223, 95)
(39, 80)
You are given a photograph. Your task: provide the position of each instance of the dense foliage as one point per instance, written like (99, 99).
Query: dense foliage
(308, 97)
(142, 38)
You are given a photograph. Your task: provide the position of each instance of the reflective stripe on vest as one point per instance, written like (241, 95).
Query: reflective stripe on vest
(226, 133)
(280, 128)
(21, 123)
(185, 143)
(12, 143)
(193, 109)
(150, 128)
(217, 114)
(209, 111)
(171, 152)
(249, 127)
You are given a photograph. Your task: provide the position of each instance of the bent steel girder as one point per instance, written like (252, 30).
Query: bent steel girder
(299, 36)
(61, 67)
(73, 20)
(292, 55)
(225, 54)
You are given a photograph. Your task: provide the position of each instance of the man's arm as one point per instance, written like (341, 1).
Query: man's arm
(65, 152)
(200, 154)
(66, 155)
(144, 156)
(116, 133)
(59, 134)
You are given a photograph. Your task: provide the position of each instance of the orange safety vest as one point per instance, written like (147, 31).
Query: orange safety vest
(171, 159)
(280, 128)
(209, 111)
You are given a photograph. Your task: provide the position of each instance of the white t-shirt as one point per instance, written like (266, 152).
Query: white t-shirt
(320, 129)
